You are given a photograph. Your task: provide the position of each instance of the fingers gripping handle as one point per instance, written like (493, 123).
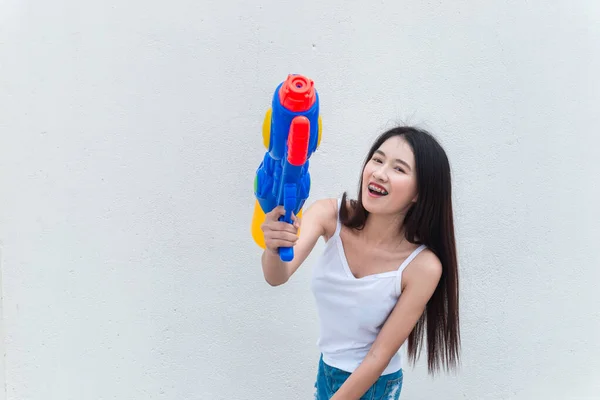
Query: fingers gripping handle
(289, 202)
(297, 154)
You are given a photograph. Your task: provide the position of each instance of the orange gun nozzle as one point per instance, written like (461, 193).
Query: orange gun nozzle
(297, 93)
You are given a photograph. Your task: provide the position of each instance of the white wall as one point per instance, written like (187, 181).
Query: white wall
(130, 133)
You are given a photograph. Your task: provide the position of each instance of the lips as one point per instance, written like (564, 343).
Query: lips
(377, 189)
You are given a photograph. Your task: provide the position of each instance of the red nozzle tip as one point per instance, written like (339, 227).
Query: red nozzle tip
(297, 93)
(298, 141)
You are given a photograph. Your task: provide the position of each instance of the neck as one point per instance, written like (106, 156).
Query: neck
(384, 230)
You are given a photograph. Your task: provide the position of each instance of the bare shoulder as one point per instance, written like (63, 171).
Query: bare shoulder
(425, 269)
(323, 212)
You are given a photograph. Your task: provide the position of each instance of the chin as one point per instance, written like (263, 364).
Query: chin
(379, 205)
(373, 204)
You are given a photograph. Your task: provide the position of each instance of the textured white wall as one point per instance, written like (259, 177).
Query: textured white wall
(130, 133)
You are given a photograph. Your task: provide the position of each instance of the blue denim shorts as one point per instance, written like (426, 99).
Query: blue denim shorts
(330, 379)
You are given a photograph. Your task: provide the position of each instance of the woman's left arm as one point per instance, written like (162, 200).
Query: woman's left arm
(420, 280)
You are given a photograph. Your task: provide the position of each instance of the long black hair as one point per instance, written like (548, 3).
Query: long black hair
(429, 221)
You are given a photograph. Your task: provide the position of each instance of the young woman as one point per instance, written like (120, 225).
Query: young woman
(388, 272)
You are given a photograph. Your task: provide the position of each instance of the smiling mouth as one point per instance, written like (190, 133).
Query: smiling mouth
(377, 190)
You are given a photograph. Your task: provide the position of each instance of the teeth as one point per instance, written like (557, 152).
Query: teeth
(377, 189)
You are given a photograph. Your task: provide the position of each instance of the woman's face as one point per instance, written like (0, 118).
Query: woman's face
(389, 180)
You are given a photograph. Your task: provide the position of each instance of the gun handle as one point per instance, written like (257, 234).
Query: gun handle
(289, 203)
(286, 254)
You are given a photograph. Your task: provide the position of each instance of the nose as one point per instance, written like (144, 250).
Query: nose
(379, 174)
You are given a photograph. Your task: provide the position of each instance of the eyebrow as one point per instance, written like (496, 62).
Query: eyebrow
(397, 159)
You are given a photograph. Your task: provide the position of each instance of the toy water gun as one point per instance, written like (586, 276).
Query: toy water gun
(291, 134)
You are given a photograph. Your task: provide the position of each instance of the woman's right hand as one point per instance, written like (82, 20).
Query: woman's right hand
(279, 233)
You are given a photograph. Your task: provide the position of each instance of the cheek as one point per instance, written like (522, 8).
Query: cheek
(366, 174)
(405, 186)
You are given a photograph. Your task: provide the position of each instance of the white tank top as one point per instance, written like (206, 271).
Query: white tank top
(352, 310)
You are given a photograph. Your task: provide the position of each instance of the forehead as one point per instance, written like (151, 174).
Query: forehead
(398, 147)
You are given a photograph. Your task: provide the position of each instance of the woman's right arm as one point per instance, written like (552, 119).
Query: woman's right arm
(277, 234)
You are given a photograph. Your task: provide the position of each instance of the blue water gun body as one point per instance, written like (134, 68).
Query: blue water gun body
(291, 134)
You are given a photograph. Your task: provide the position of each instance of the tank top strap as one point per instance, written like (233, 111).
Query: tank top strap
(411, 257)
(338, 225)
(404, 265)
